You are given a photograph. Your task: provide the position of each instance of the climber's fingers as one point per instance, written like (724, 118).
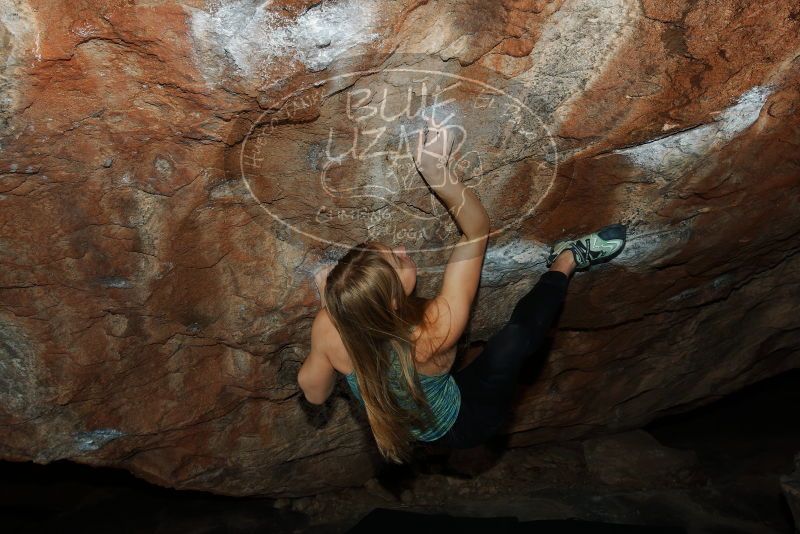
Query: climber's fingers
(434, 147)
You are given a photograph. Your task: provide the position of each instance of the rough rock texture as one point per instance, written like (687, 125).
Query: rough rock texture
(790, 484)
(629, 458)
(173, 173)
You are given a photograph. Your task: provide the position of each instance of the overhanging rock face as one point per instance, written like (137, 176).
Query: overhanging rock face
(173, 173)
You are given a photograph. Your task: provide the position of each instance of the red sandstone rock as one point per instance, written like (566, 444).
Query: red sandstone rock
(155, 303)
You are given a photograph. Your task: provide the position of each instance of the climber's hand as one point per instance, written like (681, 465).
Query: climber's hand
(434, 148)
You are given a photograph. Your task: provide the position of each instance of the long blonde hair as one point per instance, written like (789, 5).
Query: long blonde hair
(359, 293)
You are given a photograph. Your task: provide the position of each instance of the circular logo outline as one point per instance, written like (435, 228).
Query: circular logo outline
(362, 73)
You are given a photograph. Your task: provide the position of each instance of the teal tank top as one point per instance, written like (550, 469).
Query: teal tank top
(441, 391)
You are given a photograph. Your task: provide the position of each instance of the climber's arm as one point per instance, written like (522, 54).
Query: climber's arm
(317, 377)
(463, 272)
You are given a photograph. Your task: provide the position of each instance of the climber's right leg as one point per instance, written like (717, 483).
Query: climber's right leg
(535, 313)
(564, 262)
(488, 383)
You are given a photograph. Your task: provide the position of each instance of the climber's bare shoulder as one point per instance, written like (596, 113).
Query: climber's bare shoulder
(433, 356)
(331, 342)
(426, 345)
(433, 350)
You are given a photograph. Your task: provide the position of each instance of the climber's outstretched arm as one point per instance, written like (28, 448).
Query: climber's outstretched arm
(317, 376)
(463, 271)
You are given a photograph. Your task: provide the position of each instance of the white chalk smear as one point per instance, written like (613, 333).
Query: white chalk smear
(21, 36)
(575, 43)
(506, 263)
(95, 439)
(649, 244)
(21, 23)
(509, 261)
(38, 52)
(503, 264)
(254, 36)
(672, 156)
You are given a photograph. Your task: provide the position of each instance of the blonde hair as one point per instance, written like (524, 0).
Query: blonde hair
(359, 293)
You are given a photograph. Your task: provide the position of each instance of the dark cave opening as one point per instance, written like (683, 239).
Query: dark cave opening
(744, 442)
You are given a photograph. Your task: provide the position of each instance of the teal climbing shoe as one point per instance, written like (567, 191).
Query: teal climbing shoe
(597, 247)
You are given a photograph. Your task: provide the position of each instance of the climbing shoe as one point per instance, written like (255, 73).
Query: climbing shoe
(597, 247)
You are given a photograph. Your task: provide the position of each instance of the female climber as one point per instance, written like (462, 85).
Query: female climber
(397, 349)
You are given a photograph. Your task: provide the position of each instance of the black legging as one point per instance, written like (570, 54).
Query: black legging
(489, 382)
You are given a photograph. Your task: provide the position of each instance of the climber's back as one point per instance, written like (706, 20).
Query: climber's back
(428, 361)
(441, 392)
